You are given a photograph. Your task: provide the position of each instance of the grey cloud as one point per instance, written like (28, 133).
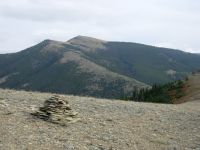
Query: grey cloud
(155, 22)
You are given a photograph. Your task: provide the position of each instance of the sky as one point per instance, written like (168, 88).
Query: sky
(164, 23)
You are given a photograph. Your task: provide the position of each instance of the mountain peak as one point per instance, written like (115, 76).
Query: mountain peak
(48, 45)
(49, 41)
(82, 39)
(87, 43)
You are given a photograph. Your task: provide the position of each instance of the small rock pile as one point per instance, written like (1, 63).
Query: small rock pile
(57, 110)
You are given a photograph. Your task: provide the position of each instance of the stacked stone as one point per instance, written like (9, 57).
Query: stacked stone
(57, 110)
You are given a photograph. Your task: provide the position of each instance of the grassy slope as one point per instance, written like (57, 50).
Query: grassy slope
(145, 63)
(193, 89)
(38, 68)
(122, 63)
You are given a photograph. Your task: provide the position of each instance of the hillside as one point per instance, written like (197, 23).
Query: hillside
(60, 67)
(88, 66)
(104, 124)
(145, 63)
(192, 92)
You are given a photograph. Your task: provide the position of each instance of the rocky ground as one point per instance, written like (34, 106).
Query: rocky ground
(103, 124)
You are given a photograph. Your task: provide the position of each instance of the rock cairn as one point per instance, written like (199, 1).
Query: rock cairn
(57, 110)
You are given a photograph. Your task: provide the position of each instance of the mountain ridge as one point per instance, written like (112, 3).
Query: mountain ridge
(89, 66)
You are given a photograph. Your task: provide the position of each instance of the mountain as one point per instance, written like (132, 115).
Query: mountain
(145, 63)
(93, 67)
(61, 67)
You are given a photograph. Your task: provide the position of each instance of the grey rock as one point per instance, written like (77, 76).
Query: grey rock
(57, 110)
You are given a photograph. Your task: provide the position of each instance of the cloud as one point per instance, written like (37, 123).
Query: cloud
(28, 22)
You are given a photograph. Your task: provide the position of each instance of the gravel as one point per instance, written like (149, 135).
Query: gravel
(104, 124)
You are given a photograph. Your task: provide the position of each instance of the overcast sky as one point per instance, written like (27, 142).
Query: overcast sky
(166, 23)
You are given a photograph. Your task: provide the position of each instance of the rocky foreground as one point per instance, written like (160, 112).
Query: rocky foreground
(103, 124)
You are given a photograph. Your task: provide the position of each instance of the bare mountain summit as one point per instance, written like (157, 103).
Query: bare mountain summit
(87, 43)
